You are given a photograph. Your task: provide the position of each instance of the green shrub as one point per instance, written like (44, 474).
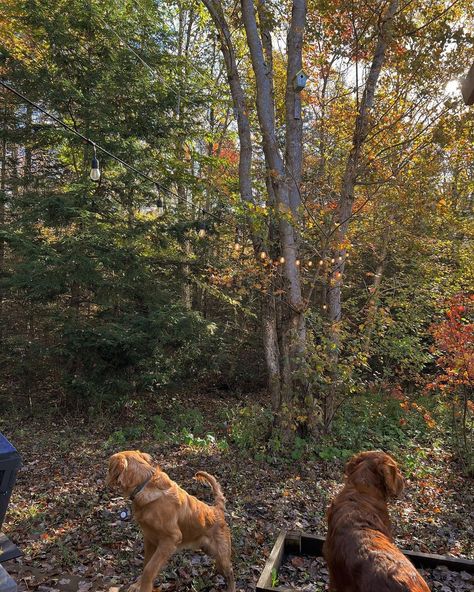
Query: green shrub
(190, 419)
(206, 442)
(109, 359)
(125, 435)
(160, 431)
(250, 427)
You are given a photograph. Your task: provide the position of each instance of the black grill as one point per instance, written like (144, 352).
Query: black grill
(9, 464)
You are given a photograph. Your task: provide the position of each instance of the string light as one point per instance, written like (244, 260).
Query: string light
(297, 263)
(202, 230)
(160, 210)
(340, 257)
(324, 306)
(310, 264)
(237, 246)
(281, 260)
(97, 147)
(333, 260)
(95, 170)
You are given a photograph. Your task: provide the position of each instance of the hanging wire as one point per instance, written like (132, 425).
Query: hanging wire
(96, 146)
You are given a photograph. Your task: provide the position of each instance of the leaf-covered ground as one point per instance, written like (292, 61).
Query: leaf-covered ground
(73, 540)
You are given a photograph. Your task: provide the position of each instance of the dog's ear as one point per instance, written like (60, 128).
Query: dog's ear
(394, 483)
(146, 457)
(117, 465)
(353, 463)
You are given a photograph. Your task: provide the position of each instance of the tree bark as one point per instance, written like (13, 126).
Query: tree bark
(294, 120)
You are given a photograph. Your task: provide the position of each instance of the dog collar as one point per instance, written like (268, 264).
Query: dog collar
(140, 488)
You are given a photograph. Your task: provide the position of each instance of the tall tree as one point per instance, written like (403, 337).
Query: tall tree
(284, 337)
(346, 202)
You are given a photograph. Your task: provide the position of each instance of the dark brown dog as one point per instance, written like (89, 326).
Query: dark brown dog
(359, 548)
(170, 518)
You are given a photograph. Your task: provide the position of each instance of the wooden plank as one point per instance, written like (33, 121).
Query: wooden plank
(273, 562)
(312, 545)
(293, 543)
(430, 560)
(300, 543)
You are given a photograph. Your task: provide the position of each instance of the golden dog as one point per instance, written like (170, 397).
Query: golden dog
(170, 518)
(359, 548)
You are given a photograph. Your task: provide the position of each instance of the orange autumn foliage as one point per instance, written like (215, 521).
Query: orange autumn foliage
(454, 345)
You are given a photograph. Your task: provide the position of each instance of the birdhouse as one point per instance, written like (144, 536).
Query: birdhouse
(467, 87)
(299, 81)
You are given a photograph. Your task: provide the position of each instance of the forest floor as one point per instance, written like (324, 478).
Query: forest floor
(74, 541)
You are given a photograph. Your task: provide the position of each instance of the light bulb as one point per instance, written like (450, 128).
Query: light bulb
(321, 262)
(237, 247)
(282, 260)
(310, 264)
(333, 260)
(324, 306)
(297, 263)
(201, 228)
(340, 257)
(263, 255)
(95, 171)
(160, 210)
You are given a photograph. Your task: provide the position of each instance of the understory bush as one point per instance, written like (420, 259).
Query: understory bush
(454, 349)
(249, 426)
(111, 359)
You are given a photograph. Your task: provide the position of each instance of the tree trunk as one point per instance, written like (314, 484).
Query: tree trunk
(284, 342)
(27, 170)
(344, 211)
(183, 48)
(269, 321)
(272, 352)
(374, 300)
(285, 183)
(3, 200)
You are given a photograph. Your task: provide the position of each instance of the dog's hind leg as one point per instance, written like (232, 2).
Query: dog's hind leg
(220, 550)
(225, 568)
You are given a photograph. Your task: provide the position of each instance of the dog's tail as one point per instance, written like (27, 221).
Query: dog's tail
(216, 488)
